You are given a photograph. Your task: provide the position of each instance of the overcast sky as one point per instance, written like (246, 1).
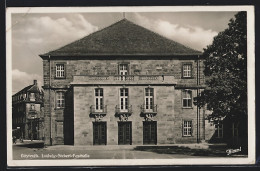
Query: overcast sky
(34, 34)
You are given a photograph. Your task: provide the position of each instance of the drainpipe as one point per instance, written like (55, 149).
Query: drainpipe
(198, 110)
(50, 99)
(203, 112)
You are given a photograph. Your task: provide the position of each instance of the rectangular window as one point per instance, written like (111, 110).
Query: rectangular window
(187, 128)
(124, 99)
(60, 71)
(32, 97)
(32, 107)
(149, 99)
(60, 100)
(99, 99)
(123, 71)
(219, 130)
(186, 70)
(59, 129)
(186, 99)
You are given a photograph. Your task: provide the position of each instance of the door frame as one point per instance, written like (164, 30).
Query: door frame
(130, 122)
(154, 122)
(100, 122)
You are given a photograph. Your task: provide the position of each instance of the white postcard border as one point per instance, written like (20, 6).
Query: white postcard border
(120, 162)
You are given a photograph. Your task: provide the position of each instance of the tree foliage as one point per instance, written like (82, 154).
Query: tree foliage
(226, 71)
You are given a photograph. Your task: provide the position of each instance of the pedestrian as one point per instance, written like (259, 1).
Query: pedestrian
(21, 139)
(14, 139)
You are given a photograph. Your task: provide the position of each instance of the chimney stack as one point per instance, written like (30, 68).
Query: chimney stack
(34, 82)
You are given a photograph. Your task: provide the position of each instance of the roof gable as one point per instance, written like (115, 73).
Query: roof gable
(31, 88)
(123, 38)
(25, 89)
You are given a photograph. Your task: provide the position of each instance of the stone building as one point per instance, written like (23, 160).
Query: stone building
(27, 113)
(123, 84)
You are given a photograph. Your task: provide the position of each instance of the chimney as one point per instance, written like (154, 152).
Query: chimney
(34, 82)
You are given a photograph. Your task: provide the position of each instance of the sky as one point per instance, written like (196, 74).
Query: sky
(34, 34)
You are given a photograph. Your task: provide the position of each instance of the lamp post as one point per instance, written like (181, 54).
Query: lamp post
(19, 132)
(32, 117)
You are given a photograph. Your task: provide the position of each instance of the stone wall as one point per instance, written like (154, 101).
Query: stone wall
(169, 118)
(170, 114)
(110, 67)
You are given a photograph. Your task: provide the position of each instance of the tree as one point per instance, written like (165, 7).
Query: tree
(226, 71)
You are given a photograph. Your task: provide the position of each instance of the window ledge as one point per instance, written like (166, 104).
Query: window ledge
(187, 107)
(59, 137)
(60, 78)
(187, 77)
(60, 108)
(187, 136)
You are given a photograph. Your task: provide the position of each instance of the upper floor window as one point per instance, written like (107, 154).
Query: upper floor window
(186, 98)
(32, 107)
(123, 71)
(149, 99)
(187, 128)
(60, 100)
(24, 96)
(60, 71)
(186, 70)
(99, 99)
(124, 99)
(32, 97)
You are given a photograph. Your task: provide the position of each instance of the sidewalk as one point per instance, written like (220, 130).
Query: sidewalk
(165, 151)
(30, 144)
(132, 147)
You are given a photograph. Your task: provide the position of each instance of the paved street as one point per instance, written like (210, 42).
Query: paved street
(34, 150)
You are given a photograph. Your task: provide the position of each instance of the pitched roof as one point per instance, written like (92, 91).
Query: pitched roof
(31, 88)
(25, 89)
(123, 38)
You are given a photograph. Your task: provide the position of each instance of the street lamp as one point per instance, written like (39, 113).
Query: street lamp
(32, 117)
(18, 129)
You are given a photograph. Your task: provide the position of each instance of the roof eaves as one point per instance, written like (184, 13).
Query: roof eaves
(57, 53)
(125, 54)
(23, 90)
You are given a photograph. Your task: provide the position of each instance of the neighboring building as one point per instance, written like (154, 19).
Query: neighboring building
(123, 84)
(27, 113)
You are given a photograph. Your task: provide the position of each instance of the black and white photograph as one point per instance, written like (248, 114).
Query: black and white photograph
(113, 86)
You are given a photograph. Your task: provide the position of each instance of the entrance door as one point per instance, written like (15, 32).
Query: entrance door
(123, 70)
(124, 133)
(100, 133)
(150, 132)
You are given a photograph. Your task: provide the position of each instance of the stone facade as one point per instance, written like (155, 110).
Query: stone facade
(167, 96)
(157, 84)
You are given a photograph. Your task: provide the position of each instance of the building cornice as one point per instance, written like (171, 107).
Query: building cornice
(158, 56)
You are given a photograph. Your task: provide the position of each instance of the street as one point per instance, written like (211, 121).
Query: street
(34, 150)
